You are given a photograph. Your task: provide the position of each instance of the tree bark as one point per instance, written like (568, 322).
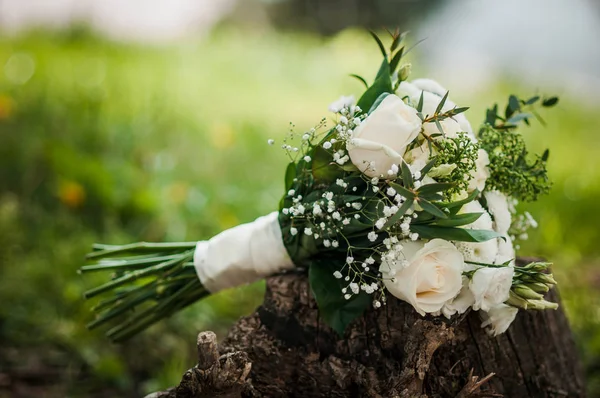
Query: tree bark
(284, 349)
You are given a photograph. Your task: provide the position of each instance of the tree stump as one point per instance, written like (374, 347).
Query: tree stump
(284, 349)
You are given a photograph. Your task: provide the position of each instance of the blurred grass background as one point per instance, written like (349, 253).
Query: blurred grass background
(115, 142)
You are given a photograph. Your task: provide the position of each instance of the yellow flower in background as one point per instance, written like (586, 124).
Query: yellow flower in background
(6, 106)
(71, 193)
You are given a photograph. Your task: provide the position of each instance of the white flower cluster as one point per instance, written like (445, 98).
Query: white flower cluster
(379, 199)
(429, 276)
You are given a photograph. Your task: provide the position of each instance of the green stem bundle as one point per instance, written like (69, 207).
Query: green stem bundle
(150, 282)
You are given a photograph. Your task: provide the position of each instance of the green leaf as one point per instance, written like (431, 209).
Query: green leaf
(435, 187)
(532, 100)
(550, 101)
(396, 60)
(459, 220)
(402, 191)
(545, 155)
(290, 174)
(491, 115)
(456, 111)
(361, 79)
(378, 101)
(428, 166)
(460, 203)
(457, 234)
(333, 307)
(513, 103)
(322, 169)
(431, 208)
(442, 102)
(407, 177)
(401, 211)
(382, 84)
(379, 43)
(420, 104)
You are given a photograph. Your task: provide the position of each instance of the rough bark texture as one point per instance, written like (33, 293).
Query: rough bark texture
(285, 350)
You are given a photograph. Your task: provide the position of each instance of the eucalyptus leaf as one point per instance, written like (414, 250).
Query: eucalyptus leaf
(402, 191)
(458, 220)
(401, 211)
(407, 177)
(435, 187)
(442, 102)
(550, 101)
(431, 208)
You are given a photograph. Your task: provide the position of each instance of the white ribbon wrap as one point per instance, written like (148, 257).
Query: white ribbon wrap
(243, 254)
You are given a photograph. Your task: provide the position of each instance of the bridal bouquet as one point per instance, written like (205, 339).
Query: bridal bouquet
(395, 195)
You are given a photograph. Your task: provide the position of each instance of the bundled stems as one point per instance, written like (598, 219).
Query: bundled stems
(150, 282)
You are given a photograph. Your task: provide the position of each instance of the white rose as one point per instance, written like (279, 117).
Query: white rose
(460, 303)
(381, 139)
(491, 286)
(432, 277)
(498, 319)
(498, 206)
(481, 173)
(432, 95)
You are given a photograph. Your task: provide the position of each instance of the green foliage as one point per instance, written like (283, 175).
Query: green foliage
(511, 171)
(462, 152)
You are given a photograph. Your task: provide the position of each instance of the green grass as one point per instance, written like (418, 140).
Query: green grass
(112, 142)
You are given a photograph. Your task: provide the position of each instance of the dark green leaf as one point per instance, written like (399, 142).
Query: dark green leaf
(491, 115)
(550, 101)
(457, 234)
(532, 100)
(458, 110)
(431, 208)
(361, 79)
(379, 43)
(435, 187)
(333, 307)
(442, 102)
(396, 60)
(290, 174)
(382, 84)
(460, 203)
(459, 220)
(401, 211)
(428, 166)
(513, 103)
(545, 155)
(420, 104)
(402, 190)
(322, 168)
